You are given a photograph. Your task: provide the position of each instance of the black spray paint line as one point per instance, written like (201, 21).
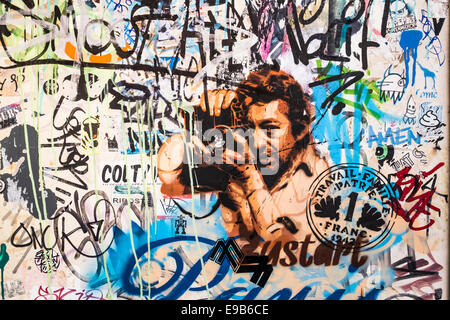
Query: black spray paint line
(105, 267)
(82, 162)
(355, 77)
(387, 5)
(365, 43)
(133, 249)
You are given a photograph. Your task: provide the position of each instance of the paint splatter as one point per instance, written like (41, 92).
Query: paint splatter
(409, 42)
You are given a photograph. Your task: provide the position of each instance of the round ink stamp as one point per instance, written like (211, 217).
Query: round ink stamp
(349, 202)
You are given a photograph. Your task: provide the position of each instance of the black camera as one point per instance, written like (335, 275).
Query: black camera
(200, 123)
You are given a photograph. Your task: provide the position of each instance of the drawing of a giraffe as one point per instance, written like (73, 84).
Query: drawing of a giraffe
(428, 74)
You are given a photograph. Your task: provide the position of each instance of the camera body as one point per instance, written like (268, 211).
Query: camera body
(198, 121)
(214, 130)
(218, 133)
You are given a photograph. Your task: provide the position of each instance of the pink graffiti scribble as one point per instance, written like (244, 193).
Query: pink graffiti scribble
(68, 294)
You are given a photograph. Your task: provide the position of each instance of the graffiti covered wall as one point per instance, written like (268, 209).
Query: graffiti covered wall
(224, 149)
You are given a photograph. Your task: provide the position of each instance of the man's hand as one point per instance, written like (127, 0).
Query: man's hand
(172, 152)
(171, 157)
(217, 100)
(236, 157)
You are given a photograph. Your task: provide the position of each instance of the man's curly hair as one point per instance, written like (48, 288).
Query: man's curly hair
(266, 85)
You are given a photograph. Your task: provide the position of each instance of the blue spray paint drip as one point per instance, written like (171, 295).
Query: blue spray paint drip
(326, 130)
(409, 41)
(332, 129)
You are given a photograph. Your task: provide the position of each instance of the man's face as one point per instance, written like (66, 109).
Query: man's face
(273, 138)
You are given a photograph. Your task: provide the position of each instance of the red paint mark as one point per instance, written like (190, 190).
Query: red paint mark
(408, 185)
(184, 196)
(422, 283)
(165, 217)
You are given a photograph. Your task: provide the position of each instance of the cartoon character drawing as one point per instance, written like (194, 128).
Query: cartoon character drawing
(392, 85)
(398, 8)
(429, 119)
(384, 153)
(90, 132)
(180, 223)
(410, 114)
